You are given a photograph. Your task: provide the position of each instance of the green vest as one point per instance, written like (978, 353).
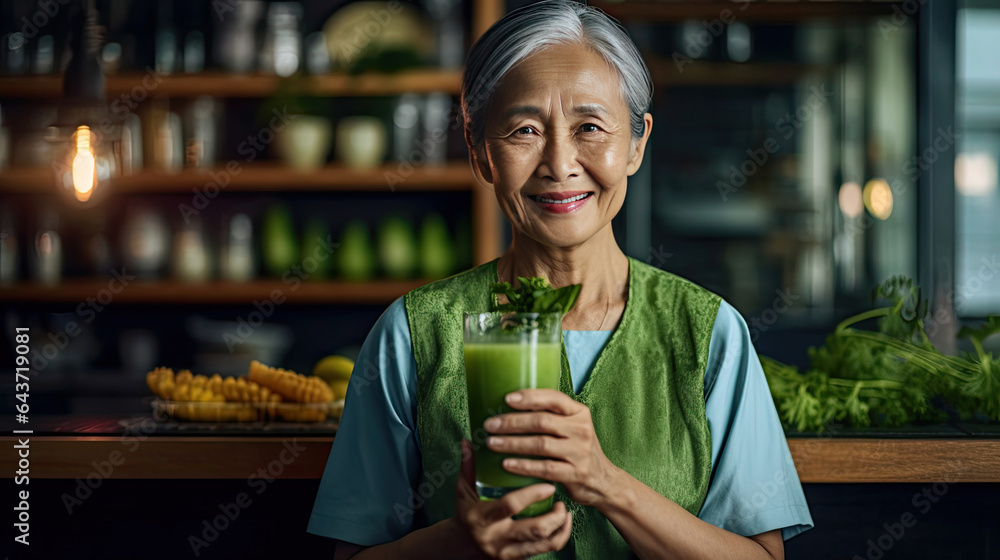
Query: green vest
(645, 394)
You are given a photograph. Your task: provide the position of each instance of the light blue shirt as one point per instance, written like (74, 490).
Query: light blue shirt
(375, 460)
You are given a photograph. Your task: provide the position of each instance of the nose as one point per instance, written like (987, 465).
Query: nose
(559, 161)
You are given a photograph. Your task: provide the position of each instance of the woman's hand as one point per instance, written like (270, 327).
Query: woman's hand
(491, 527)
(562, 431)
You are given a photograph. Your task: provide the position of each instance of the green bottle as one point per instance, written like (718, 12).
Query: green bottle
(317, 257)
(437, 254)
(355, 257)
(397, 247)
(280, 249)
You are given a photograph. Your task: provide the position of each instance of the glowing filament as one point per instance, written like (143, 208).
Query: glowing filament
(83, 165)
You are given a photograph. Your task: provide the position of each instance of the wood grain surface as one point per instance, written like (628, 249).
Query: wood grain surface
(818, 460)
(896, 460)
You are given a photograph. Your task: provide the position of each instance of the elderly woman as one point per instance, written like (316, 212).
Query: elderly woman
(663, 443)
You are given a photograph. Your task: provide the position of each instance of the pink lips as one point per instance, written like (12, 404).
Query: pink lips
(561, 207)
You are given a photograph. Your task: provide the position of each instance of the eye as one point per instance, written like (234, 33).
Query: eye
(524, 131)
(589, 127)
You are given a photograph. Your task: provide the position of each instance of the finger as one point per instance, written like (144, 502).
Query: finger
(541, 446)
(541, 527)
(515, 502)
(544, 399)
(561, 537)
(555, 542)
(529, 423)
(547, 469)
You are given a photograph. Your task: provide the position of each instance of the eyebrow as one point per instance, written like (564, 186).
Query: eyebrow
(589, 109)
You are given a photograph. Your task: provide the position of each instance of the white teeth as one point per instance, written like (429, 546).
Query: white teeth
(565, 201)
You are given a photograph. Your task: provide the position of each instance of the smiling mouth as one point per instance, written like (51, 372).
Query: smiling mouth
(567, 200)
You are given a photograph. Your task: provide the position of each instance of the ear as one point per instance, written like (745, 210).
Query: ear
(639, 145)
(479, 159)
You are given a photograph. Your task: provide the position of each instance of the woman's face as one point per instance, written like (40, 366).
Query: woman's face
(558, 145)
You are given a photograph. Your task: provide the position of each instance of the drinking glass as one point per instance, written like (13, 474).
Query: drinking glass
(505, 352)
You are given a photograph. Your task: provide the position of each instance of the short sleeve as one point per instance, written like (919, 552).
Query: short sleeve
(754, 486)
(375, 460)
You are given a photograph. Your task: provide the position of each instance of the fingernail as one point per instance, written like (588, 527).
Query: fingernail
(494, 441)
(550, 488)
(514, 397)
(510, 463)
(492, 424)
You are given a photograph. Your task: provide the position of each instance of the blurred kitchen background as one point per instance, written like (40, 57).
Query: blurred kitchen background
(267, 177)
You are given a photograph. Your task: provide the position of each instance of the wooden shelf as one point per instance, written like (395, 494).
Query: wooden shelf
(783, 11)
(224, 84)
(213, 292)
(668, 73)
(834, 460)
(263, 177)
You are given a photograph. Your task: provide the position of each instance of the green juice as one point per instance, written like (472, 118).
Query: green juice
(494, 369)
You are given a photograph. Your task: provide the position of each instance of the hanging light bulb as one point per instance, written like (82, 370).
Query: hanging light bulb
(83, 165)
(85, 161)
(86, 141)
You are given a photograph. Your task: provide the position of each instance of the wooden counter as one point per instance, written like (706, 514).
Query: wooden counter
(173, 457)
(896, 460)
(823, 460)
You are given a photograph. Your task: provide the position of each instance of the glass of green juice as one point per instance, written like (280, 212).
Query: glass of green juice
(505, 352)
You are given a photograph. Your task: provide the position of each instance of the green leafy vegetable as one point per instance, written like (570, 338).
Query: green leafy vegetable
(889, 376)
(985, 383)
(904, 317)
(536, 295)
(977, 336)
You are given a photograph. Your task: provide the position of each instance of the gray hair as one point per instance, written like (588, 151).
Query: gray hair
(525, 31)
